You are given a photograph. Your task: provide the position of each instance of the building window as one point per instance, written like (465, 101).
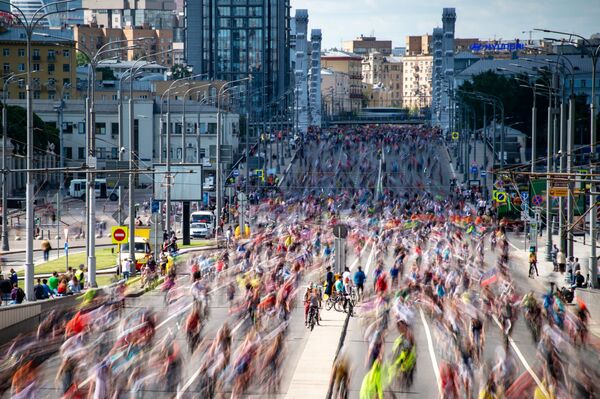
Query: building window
(36, 54)
(6, 68)
(81, 128)
(114, 153)
(66, 67)
(51, 95)
(21, 67)
(51, 55)
(67, 127)
(36, 94)
(114, 129)
(66, 53)
(36, 67)
(101, 152)
(66, 82)
(50, 68)
(21, 95)
(68, 151)
(100, 128)
(66, 96)
(6, 52)
(81, 153)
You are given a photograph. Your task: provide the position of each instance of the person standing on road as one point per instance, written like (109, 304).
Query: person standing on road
(46, 248)
(561, 261)
(533, 264)
(359, 282)
(329, 281)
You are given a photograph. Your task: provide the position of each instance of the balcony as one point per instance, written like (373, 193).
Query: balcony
(36, 57)
(51, 58)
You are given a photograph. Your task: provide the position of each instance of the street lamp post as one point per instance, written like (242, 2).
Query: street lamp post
(30, 24)
(7, 81)
(218, 149)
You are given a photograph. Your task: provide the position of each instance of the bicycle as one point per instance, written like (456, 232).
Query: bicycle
(312, 317)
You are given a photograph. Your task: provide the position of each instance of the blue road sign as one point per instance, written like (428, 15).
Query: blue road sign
(524, 196)
(205, 199)
(235, 172)
(483, 173)
(155, 206)
(473, 169)
(66, 247)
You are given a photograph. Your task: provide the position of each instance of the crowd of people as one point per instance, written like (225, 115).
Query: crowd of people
(422, 253)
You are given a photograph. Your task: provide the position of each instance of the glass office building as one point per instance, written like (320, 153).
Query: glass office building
(230, 39)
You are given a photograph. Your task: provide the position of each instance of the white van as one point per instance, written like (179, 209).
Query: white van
(206, 217)
(78, 186)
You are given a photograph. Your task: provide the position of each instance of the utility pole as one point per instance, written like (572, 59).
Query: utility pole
(549, 155)
(563, 167)
(570, 207)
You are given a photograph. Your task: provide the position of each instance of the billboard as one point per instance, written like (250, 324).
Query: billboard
(186, 182)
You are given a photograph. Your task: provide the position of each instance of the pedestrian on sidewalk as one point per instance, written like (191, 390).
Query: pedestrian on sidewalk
(553, 254)
(14, 279)
(533, 264)
(46, 248)
(561, 261)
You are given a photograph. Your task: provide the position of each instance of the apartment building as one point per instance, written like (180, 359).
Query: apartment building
(52, 63)
(350, 64)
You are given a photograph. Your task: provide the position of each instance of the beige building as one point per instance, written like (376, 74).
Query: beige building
(90, 38)
(416, 90)
(350, 64)
(384, 75)
(364, 45)
(52, 63)
(335, 92)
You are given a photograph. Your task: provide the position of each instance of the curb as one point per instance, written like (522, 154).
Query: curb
(337, 352)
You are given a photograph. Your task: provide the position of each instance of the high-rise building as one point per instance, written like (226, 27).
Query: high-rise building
(437, 75)
(314, 99)
(29, 8)
(301, 68)
(365, 45)
(230, 40)
(448, 24)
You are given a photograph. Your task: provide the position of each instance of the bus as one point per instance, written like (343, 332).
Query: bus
(206, 217)
(77, 189)
(383, 113)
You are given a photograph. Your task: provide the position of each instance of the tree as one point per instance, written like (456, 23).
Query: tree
(82, 59)
(180, 71)
(107, 73)
(43, 134)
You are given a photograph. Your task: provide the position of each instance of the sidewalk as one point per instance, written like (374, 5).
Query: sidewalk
(313, 371)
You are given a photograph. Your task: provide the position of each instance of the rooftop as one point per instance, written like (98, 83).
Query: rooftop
(41, 35)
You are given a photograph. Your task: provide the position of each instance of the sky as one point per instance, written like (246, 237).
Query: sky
(485, 19)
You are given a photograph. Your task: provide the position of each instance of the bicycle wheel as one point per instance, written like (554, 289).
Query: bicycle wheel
(339, 305)
(329, 303)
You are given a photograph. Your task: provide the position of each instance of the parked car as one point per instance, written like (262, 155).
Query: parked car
(199, 230)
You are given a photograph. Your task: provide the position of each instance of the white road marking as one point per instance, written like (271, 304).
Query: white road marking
(523, 360)
(436, 368)
(370, 259)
